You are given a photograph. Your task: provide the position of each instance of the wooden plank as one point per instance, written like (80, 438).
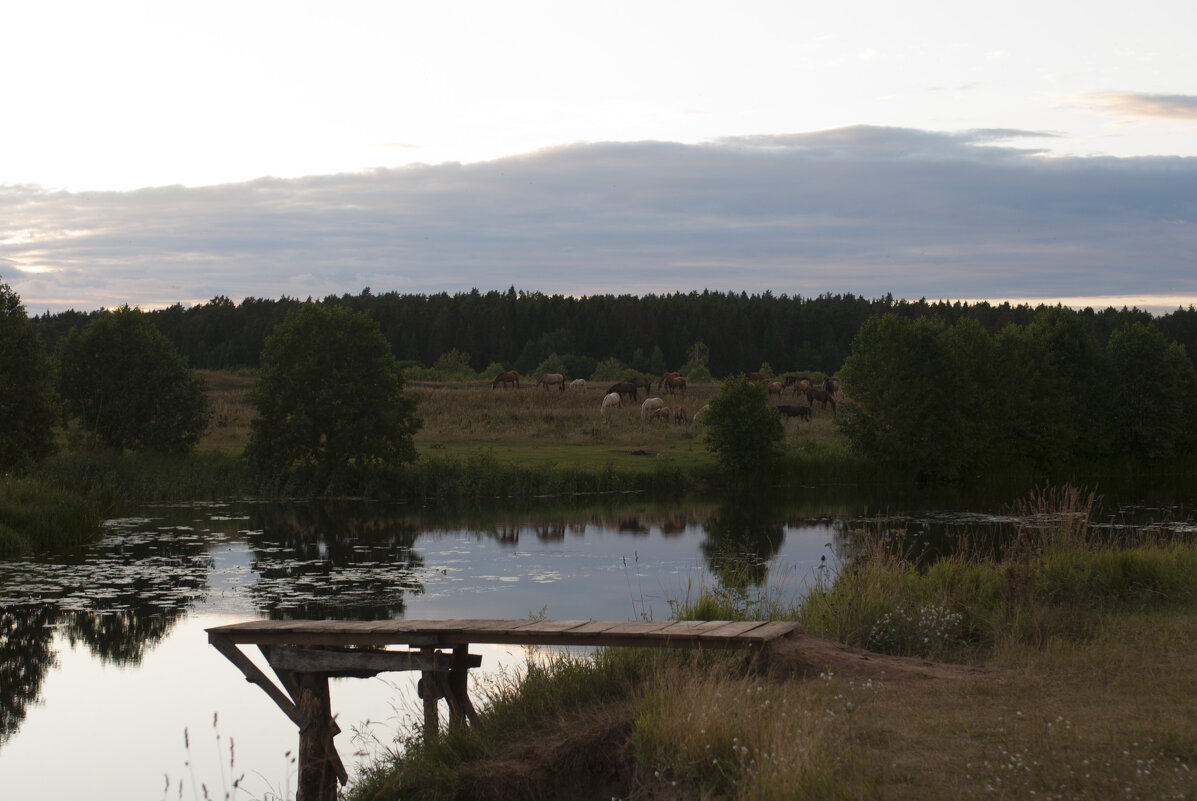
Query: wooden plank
(447, 633)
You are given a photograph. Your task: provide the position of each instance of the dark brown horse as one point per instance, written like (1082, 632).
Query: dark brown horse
(801, 412)
(624, 388)
(831, 385)
(509, 377)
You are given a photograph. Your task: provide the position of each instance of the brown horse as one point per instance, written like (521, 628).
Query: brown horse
(802, 386)
(756, 377)
(831, 385)
(774, 388)
(680, 417)
(675, 384)
(661, 383)
(509, 377)
(822, 396)
(552, 380)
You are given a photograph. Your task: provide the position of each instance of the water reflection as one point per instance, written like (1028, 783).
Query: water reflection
(742, 538)
(26, 655)
(333, 561)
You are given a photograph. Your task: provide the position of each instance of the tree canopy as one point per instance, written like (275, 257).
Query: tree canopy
(129, 387)
(946, 401)
(28, 405)
(743, 432)
(329, 397)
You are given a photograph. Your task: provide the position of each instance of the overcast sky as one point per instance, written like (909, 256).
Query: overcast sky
(158, 152)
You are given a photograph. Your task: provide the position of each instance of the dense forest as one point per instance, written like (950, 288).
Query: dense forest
(651, 333)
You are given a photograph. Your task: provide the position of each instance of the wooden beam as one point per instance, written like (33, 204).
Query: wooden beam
(254, 675)
(362, 664)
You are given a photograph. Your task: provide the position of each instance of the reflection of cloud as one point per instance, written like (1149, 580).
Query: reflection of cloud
(1139, 104)
(863, 209)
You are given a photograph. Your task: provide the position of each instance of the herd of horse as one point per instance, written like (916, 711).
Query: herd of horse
(674, 383)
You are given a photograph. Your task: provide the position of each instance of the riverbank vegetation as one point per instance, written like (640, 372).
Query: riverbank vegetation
(1067, 668)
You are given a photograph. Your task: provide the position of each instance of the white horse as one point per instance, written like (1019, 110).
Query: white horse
(610, 401)
(650, 405)
(699, 414)
(578, 384)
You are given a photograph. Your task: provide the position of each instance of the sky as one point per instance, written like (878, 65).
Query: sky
(154, 153)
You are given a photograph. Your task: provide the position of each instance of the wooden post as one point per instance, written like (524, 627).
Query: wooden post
(430, 688)
(460, 708)
(317, 775)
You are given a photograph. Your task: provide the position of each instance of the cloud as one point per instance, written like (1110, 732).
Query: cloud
(865, 210)
(1142, 105)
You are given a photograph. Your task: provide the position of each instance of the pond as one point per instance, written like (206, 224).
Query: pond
(109, 689)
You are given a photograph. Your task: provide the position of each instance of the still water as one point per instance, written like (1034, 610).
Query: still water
(109, 689)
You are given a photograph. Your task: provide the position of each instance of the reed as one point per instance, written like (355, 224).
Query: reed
(36, 514)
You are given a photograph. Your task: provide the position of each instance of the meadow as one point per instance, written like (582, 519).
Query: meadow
(536, 428)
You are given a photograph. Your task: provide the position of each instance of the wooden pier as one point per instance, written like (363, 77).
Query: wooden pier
(304, 654)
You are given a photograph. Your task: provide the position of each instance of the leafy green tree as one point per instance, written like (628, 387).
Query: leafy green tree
(910, 396)
(1153, 394)
(129, 387)
(609, 369)
(28, 405)
(743, 432)
(696, 368)
(552, 364)
(330, 397)
(453, 365)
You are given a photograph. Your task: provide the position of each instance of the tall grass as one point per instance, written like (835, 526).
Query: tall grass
(36, 514)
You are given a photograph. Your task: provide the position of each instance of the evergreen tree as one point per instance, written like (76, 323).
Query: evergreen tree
(28, 405)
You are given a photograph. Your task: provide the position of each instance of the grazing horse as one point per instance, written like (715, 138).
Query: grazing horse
(801, 412)
(661, 383)
(795, 379)
(650, 405)
(756, 377)
(822, 396)
(624, 388)
(645, 384)
(802, 386)
(578, 384)
(509, 377)
(680, 417)
(664, 413)
(610, 401)
(774, 388)
(675, 383)
(831, 385)
(697, 418)
(552, 380)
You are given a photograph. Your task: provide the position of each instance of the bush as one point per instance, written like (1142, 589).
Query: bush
(743, 432)
(330, 397)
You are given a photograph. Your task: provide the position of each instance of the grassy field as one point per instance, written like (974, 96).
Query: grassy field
(532, 427)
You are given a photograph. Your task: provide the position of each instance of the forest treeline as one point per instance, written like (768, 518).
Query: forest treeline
(649, 333)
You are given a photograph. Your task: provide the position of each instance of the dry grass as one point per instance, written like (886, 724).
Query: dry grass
(529, 426)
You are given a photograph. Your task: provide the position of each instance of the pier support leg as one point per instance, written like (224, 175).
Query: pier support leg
(317, 774)
(430, 691)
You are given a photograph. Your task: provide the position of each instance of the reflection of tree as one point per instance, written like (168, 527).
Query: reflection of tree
(122, 636)
(26, 655)
(335, 560)
(741, 538)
